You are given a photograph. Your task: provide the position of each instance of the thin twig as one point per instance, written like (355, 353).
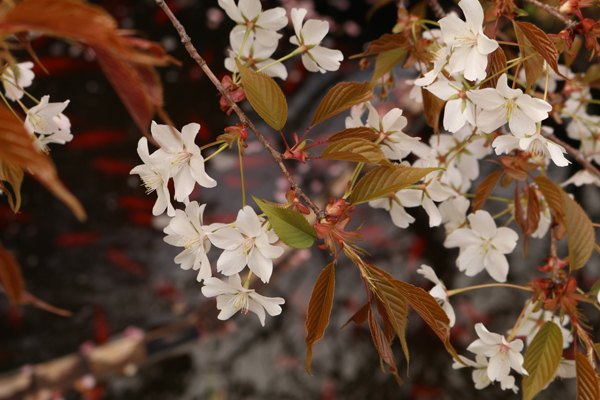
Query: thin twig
(438, 11)
(569, 23)
(187, 42)
(575, 153)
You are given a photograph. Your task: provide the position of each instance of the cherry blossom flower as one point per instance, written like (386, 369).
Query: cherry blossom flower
(60, 137)
(438, 292)
(186, 230)
(536, 145)
(458, 109)
(254, 55)
(503, 355)
(395, 205)
(454, 212)
(397, 143)
(181, 157)
(309, 36)
(503, 104)
(483, 245)
(233, 297)
(41, 118)
(536, 319)
(249, 16)
(13, 89)
(246, 244)
(470, 46)
(155, 179)
(480, 373)
(582, 177)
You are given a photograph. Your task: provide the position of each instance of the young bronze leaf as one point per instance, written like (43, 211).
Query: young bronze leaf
(385, 43)
(16, 147)
(385, 180)
(542, 359)
(580, 231)
(533, 211)
(496, 63)
(14, 176)
(383, 346)
(587, 381)
(485, 189)
(553, 195)
(10, 276)
(357, 150)
(265, 96)
(362, 132)
(519, 214)
(541, 43)
(534, 65)
(432, 108)
(290, 225)
(360, 316)
(319, 309)
(386, 61)
(431, 312)
(341, 97)
(397, 305)
(29, 299)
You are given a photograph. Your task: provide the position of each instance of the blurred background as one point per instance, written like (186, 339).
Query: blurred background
(117, 275)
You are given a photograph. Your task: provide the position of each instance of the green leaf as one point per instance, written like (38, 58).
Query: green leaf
(265, 96)
(581, 233)
(569, 213)
(383, 346)
(362, 132)
(587, 380)
(385, 180)
(542, 359)
(290, 225)
(386, 61)
(485, 189)
(353, 149)
(341, 97)
(319, 309)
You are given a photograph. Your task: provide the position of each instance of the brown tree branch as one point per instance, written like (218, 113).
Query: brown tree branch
(187, 42)
(437, 9)
(552, 10)
(575, 153)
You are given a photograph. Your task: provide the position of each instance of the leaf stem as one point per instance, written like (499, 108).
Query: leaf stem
(242, 177)
(292, 54)
(247, 283)
(223, 147)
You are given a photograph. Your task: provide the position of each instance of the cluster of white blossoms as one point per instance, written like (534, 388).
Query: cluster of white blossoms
(245, 242)
(255, 38)
(45, 122)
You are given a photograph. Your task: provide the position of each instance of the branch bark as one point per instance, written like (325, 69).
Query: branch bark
(569, 23)
(575, 153)
(187, 42)
(437, 9)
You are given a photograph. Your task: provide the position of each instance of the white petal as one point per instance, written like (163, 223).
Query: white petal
(250, 9)
(505, 240)
(434, 214)
(473, 13)
(231, 262)
(184, 183)
(271, 304)
(471, 260)
(483, 223)
(505, 144)
(198, 172)
(499, 367)
(314, 31)
(462, 237)
(488, 99)
(248, 223)
(496, 265)
(273, 19)
(297, 16)
(226, 238)
(476, 64)
(260, 265)
(215, 287)
(231, 9)
(327, 59)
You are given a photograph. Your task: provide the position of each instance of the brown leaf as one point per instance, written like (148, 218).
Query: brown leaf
(16, 147)
(534, 66)
(319, 309)
(552, 194)
(432, 108)
(10, 276)
(341, 97)
(14, 176)
(587, 380)
(496, 63)
(386, 61)
(362, 132)
(519, 214)
(485, 189)
(541, 43)
(360, 316)
(533, 211)
(357, 150)
(30, 299)
(383, 347)
(385, 43)
(382, 310)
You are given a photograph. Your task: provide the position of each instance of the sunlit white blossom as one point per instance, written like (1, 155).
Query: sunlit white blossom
(249, 16)
(438, 292)
(254, 55)
(396, 203)
(41, 118)
(396, 144)
(536, 145)
(233, 297)
(480, 373)
(13, 87)
(309, 36)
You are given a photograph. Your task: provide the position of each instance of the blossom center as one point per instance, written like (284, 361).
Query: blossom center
(152, 181)
(536, 148)
(466, 39)
(240, 300)
(180, 159)
(486, 246)
(39, 122)
(511, 108)
(191, 242)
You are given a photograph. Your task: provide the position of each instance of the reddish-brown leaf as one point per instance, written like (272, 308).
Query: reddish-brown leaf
(432, 108)
(360, 316)
(534, 65)
(14, 176)
(519, 214)
(362, 132)
(552, 194)
(385, 43)
(341, 97)
(541, 43)
(30, 299)
(357, 150)
(496, 63)
(485, 189)
(383, 347)
(10, 276)
(587, 380)
(16, 147)
(319, 309)
(383, 311)
(533, 211)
